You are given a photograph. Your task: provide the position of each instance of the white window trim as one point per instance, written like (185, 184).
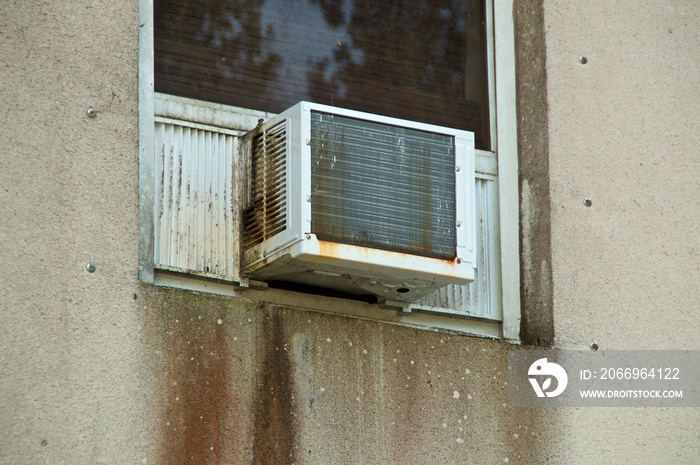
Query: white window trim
(507, 147)
(502, 95)
(146, 141)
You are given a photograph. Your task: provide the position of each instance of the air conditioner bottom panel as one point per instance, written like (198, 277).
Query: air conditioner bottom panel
(360, 271)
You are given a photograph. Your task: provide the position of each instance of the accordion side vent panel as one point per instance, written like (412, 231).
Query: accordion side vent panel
(481, 297)
(194, 221)
(266, 214)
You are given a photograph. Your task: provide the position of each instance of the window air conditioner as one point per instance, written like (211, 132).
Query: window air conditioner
(356, 202)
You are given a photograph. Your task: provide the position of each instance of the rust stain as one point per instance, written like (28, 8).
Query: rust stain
(337, 250)
(200, 425)
(275, 425)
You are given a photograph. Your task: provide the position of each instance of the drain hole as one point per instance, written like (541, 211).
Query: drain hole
(403, 290)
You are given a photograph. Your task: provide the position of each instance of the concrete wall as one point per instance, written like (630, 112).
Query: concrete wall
(100, 368)
(624, 131)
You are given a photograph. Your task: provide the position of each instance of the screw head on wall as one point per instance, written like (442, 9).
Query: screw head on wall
(583, 60)
(91, 112)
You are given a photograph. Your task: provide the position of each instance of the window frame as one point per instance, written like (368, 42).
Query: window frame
(500, 164)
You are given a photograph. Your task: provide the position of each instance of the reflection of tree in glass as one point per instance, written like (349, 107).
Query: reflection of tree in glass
(229, 41)
(403, 45)
(333, 11)
(406, 58)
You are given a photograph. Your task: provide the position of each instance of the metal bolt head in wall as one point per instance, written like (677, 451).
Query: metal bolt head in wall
(91, 112)
(90, 267)
(587, 202)
(594, 346)
(583, 60)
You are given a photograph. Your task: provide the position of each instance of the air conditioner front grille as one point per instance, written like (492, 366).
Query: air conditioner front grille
(382, 186)
(267, 211)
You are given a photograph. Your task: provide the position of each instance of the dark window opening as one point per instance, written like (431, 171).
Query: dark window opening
(417, 60)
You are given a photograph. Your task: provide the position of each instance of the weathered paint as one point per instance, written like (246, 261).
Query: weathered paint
(388, 266)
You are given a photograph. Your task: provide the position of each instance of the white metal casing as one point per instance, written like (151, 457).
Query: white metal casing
(296, 255)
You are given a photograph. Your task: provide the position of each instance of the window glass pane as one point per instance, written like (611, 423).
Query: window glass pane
(418, 60)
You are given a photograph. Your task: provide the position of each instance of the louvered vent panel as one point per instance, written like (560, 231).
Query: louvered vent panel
(480, 298)
(382, 186)
(267, 213)
(194, 216)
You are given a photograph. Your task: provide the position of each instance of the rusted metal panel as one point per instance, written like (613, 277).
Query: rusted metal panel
(383, 186)
(193, 209)
(482, 296)
(266, 215)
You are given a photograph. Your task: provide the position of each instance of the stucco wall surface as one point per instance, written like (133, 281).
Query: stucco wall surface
(624, 131)
(74, 385)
